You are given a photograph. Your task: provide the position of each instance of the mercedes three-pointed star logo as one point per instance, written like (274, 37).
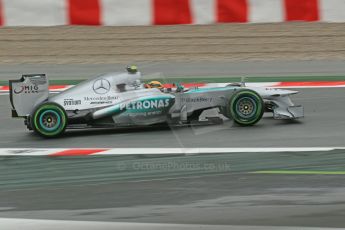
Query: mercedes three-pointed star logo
(101, 86)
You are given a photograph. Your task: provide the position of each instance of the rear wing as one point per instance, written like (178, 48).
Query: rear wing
(27, 92)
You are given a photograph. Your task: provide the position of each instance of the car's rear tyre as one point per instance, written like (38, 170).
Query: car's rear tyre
(246, 107)
(49, 120)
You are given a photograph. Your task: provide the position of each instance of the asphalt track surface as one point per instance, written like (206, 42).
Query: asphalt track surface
(181, 69)
(193, 189)
(200, 189)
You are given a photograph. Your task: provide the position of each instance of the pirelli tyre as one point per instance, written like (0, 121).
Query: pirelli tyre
(49, 120)
(246, 107)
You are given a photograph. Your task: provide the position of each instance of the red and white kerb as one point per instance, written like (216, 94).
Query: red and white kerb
(165, 12)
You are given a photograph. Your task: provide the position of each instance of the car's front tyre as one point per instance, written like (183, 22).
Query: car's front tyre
(49, 120)
(246, 107)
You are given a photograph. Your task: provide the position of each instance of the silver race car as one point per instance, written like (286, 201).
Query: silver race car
(121, 100)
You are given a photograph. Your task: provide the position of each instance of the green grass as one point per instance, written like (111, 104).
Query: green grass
(300, 172)
(216, 79)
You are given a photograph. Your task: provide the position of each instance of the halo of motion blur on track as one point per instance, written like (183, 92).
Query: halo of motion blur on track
(121, 100)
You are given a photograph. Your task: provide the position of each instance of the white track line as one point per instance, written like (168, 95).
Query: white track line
(148, 151)
(135, 151)
(34, 224)
(251, 84)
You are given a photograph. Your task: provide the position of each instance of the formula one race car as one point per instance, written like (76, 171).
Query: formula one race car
(121, 100)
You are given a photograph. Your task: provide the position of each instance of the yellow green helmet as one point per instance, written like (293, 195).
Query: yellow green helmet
(132, 69)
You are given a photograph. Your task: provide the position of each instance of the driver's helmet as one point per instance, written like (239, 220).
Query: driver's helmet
(132, 69)
(154, 84)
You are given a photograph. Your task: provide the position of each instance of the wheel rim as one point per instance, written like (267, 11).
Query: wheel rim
(50, 120)
(246, 107)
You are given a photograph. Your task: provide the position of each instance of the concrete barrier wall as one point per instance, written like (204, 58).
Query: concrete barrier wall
(166, 12)
(226, 42)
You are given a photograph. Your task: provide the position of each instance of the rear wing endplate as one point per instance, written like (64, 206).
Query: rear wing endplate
(27, 92)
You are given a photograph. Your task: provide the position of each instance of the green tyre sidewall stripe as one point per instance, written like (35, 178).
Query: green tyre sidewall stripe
(259, 107)
(55, 108)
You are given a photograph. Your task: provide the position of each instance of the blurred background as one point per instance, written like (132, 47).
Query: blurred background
(120, 31)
